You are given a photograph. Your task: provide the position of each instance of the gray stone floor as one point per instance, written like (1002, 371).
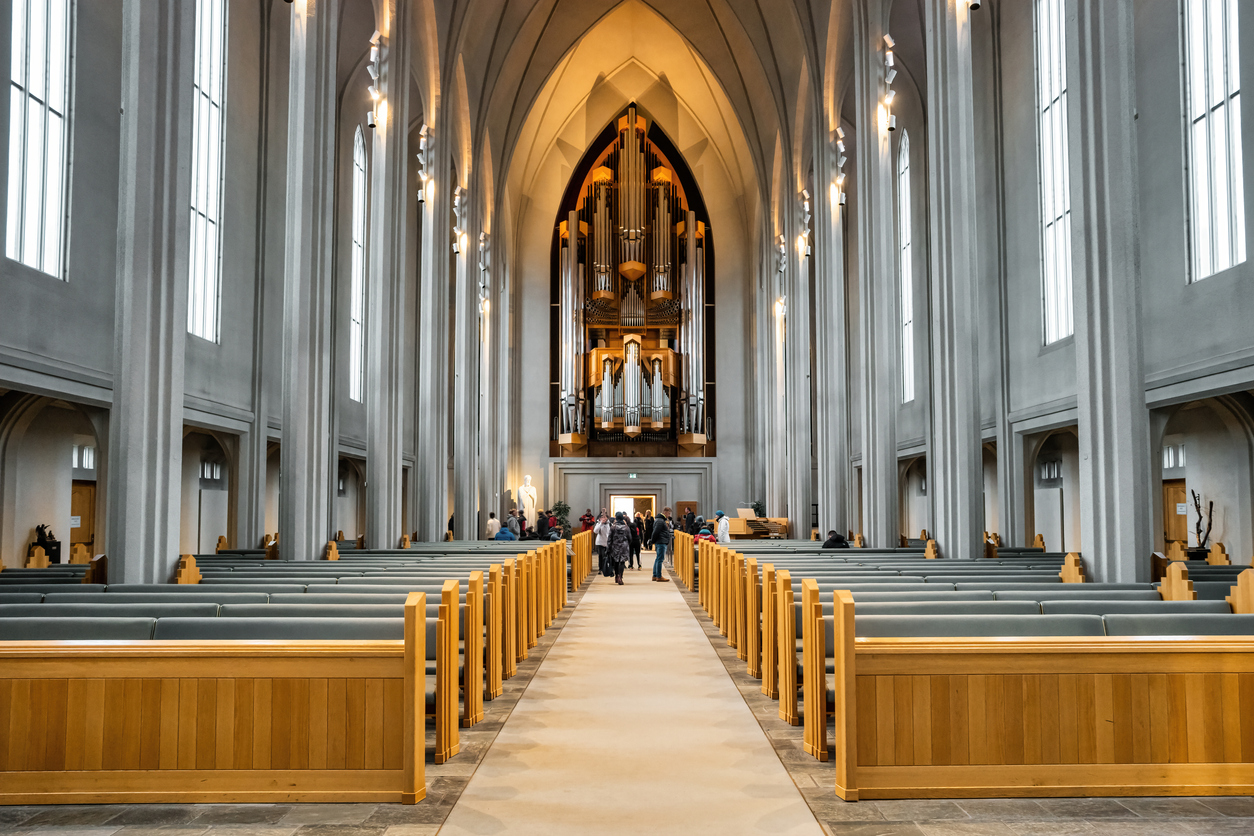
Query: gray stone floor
(445, 783)
(971, 817)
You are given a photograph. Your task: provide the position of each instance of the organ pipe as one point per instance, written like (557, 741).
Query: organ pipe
(656, 394)
(607, 393)
(631, 384)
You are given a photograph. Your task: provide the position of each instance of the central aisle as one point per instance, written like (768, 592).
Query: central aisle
(631, 726)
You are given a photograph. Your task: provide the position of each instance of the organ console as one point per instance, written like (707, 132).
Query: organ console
(632, 307)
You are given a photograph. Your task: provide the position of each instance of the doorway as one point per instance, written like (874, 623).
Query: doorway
(631, 504)
(1175, 520)
(83, 513)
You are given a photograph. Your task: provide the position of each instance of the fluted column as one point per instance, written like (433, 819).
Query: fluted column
(878, 315)
(308, 453)
(146, 419)
(432, 402)
(1116, 521)
(797, 351)
(466, 359)
(831, 407)
(955, 456)
(385, 309)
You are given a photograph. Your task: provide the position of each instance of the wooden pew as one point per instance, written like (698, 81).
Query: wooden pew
(1036, 717)
(215, 721)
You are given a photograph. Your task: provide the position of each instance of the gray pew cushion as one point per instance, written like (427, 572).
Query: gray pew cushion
(994, 581)
(1213, 590)
(114, 598)
(923, 593)
(76, 629)
(108, 610)
(41, 588)
(1180, 624)
(347, 598)
(310, 629)
(990, 626)
(335, 610)
(1077, 592)
(1063, 607)
(827, 586)
(358, 589)
(947, 608)
(200, 589)
(21, 598)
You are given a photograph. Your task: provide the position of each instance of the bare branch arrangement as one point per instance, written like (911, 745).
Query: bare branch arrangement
(1202, 539)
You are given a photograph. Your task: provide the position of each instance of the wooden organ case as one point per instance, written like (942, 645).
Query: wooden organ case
(633, 268)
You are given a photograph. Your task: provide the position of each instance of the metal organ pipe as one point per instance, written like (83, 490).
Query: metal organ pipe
(631, 384)
(688, 317)
(657, 393)
(698, 333)
(607, 393)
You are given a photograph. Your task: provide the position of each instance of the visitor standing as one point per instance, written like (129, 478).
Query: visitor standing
(619, 546)
(637, 538)
(511, 522)
(648, 529)
(601, 531)
(494, 525)
(542, 525)
(587, 520)
(723, 534)
(663, 533)
(690, 521)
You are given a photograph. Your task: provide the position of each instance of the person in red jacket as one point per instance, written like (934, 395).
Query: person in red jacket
(587, 520)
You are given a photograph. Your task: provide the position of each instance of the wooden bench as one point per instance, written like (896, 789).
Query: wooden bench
(214, 721)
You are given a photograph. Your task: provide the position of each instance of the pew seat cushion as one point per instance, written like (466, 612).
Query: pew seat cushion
(311, 629)
(112, 598)
(1213, 590)
(108, 610)
(345, 598)
(1077, 592)
(977, 626)
(1094, 607)
(201, 589)
(947, 608)
(41, 588)
(996, 581)
(927, 593)
(77, 629)
(1180, 624)
(21, 598)
(336, 610)
(827, 586)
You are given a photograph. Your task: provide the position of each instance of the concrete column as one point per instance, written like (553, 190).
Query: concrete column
(431, 482)
(1115, 514)
(831, 408)
(308, 457)
(772, 360)
(955, 456)
(878, 314)
(389, 217)
(467, 355)
(797, 428)
(146, 420)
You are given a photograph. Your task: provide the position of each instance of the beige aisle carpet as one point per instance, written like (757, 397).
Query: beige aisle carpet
(631, 726)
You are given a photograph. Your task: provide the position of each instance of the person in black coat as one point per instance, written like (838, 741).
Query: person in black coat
(542, 525)
(835, 541)
(648, 529)
(690, 521)
(636, 524)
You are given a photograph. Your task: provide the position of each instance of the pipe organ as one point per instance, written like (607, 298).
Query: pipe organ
(631, 307)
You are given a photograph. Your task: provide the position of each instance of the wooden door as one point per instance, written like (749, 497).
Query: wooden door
(83, 507)
(1175, 526)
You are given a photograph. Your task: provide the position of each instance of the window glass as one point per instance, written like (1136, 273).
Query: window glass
(204, 285)
(1051, 58)
(907, 279)
(357, 291)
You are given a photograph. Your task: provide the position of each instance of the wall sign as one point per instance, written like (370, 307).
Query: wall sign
(76, 522)
(1182, 508)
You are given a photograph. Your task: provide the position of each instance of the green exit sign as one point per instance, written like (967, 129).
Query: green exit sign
(631, 476)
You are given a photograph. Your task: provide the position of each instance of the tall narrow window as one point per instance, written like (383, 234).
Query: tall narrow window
(39, 93)
(907, 275)
(1213, 112)
(357, 315)
(204, 291)
(1051, 82)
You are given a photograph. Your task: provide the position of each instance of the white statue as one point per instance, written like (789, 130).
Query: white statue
(527, 501)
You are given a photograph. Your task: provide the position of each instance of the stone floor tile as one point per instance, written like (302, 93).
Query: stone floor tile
(1220, 827)
(72, 815)
(1053, 827)
(922, 809)
(872, 828)
(242, 814)
(340, 830)
(1086, 808)
(965, 828)
(1175, 808)
(155, 814)
(1237, 806)
(252, 830)
(328, 813)
(1142, 827)
(1004, 808)
(412, 830)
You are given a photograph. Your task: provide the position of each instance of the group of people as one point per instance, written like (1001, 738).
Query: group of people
(547, 527)
(619, 539)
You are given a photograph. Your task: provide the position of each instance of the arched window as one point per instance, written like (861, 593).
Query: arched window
(39, 97)
(1213, 123)
(208, 86)
(907, 275)
(357, 291)
(1051, 120)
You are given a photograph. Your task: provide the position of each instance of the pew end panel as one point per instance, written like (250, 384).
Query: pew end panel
(1045, 717)
(214, 721)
